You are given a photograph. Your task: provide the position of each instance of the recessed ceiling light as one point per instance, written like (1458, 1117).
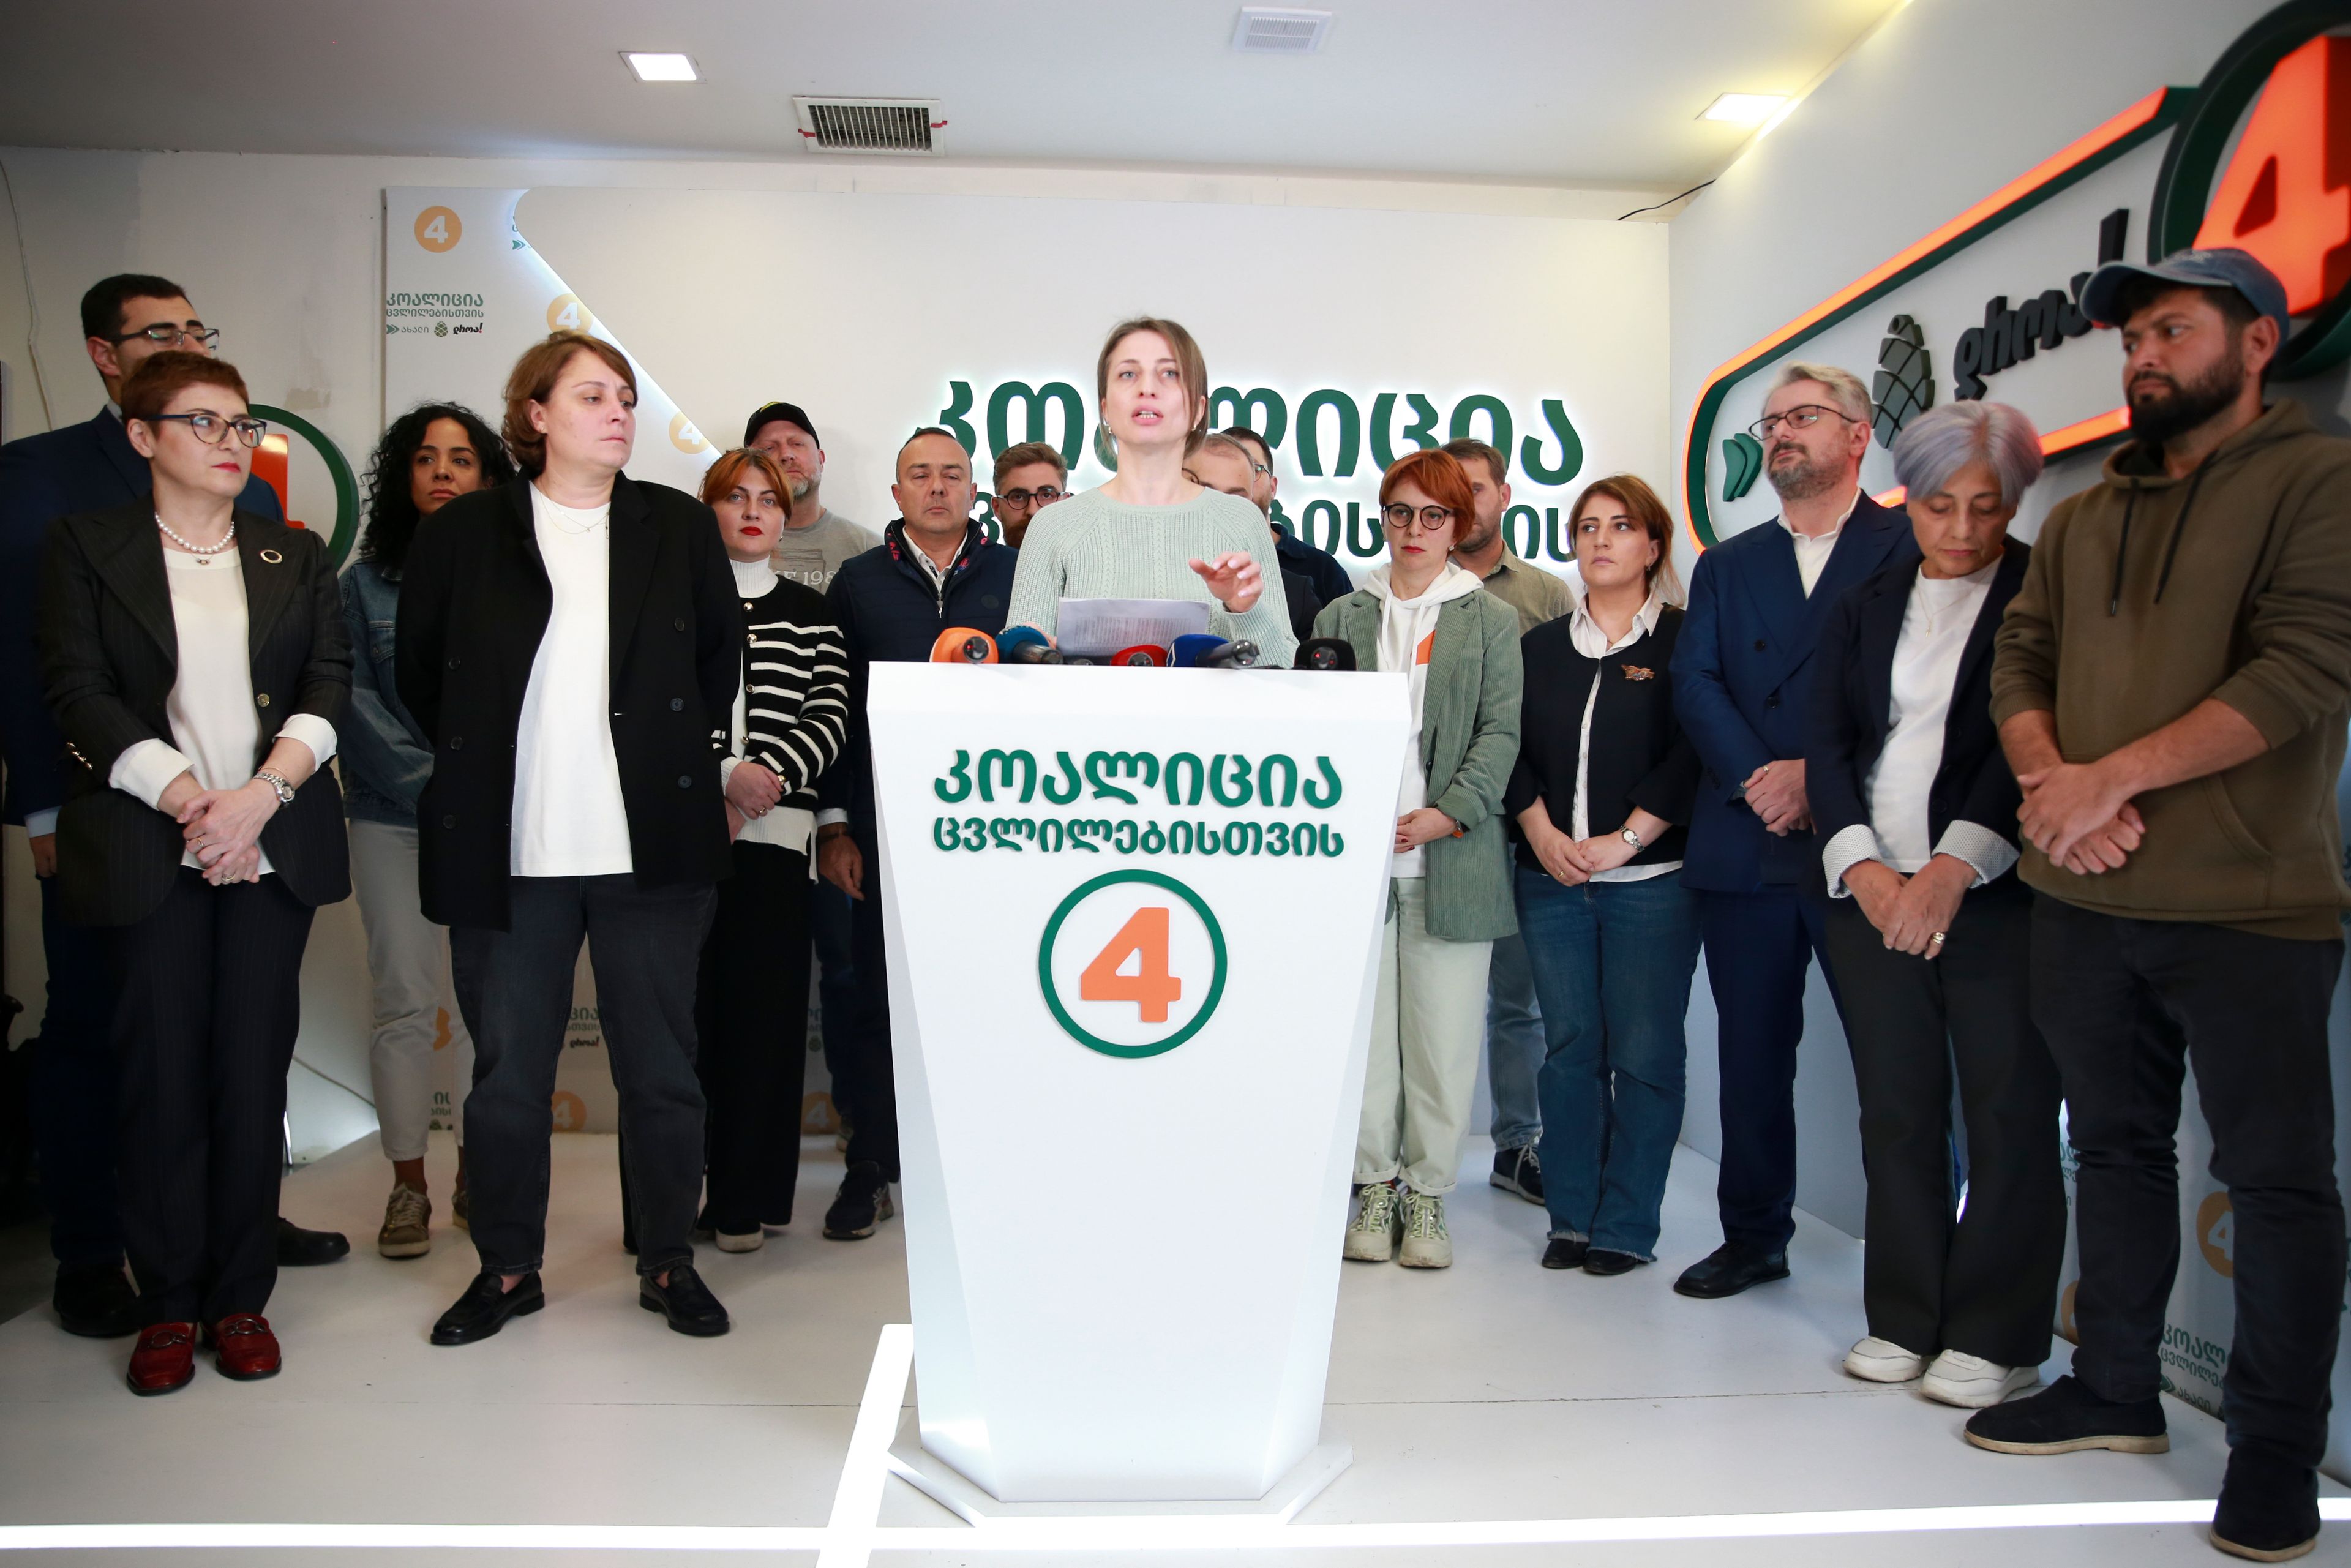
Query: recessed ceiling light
(1745, 108)
(662, 68)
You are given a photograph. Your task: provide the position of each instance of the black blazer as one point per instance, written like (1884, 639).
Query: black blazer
(474, 603)
(109, 652)
(1852, 709)
(1640, 757)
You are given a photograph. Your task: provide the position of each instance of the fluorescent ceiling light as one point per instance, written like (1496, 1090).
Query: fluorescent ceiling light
(1745, 108)
(662, 68)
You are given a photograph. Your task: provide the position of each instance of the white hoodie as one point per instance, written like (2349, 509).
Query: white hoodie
(1407, 635)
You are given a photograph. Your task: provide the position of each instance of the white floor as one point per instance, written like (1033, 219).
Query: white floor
(1496, 1390)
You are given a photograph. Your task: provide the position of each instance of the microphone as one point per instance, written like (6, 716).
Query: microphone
(1199, 651)
(1141, 653)
(1026, 645)
(963, 646)
(1325, 653)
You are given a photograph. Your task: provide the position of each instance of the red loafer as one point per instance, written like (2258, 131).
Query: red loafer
(165, 1358)
(243, 1348)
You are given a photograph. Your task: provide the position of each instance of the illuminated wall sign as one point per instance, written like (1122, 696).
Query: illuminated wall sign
(309, 479)
(2224, 177)
(1328, 433)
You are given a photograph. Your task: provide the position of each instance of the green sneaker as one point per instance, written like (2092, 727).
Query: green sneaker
(407, 1224)
(1372, 1237)
(1426, 1243)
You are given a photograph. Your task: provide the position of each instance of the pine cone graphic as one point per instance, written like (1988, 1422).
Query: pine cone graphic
(1905, 384)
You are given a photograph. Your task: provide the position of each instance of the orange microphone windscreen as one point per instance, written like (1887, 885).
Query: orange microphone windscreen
(963, 646)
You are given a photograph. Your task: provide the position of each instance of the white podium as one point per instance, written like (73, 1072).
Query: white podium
(1132, 919)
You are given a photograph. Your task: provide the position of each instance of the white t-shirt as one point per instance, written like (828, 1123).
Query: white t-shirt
(569, 818)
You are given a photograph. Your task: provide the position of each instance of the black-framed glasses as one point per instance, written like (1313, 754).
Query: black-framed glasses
(1042, 496)
(1803, 416)
(214, 429)
(164, 335)
(1430, 518)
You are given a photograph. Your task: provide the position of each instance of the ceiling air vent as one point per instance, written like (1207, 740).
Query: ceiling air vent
(902, 127)
(1277, 30)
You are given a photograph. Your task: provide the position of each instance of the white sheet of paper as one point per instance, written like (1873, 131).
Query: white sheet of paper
(1097, 628)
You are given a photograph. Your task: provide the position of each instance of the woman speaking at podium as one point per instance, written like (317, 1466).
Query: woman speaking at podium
(1150, 533)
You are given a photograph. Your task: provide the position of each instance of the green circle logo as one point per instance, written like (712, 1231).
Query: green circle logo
(1130, 930)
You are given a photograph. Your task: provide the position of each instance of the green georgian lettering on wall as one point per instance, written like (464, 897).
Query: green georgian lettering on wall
(1262, 409)
(1421, 432)
(1034, 402)
(1230, 778)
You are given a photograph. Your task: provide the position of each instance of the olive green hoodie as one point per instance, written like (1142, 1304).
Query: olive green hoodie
(2147, 594)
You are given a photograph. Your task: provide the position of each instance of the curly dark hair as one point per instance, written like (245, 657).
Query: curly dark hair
(391, 515)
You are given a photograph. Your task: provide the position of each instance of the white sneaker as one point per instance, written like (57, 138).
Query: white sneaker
(1372, 1237)
(1972, 1383)
(748, 1241)
(1426, 1242)
(1876, 1360)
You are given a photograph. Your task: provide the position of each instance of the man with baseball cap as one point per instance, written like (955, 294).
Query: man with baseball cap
(815, 540)
(2173, 685)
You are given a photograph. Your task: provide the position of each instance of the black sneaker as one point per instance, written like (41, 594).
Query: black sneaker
(1565, 1252)
(2269, 1508)
(1518, 1171)
(96, 1301)
(2066, 1417)
(685, 1302)
(862, 1204)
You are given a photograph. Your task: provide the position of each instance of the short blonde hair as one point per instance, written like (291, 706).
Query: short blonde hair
(1194, 370)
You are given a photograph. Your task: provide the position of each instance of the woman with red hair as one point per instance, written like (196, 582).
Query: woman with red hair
(1450, 894)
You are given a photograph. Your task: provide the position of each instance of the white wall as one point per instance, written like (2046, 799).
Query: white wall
(286, 256)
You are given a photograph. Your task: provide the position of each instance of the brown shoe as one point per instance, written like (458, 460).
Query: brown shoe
(243, 1348)
(165, 1358)
(407, 1223)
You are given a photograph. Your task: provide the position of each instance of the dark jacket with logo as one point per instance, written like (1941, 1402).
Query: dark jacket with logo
(111, 651)
(889, 611)
(474, 601)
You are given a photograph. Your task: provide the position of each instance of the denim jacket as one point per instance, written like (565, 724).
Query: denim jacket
(385, 756)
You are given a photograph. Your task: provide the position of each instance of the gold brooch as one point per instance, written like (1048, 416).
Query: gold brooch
(1635, 673)
(272, 557)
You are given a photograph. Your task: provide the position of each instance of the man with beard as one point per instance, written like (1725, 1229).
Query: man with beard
(2172, 685)
(815, 540)
(1742, 686)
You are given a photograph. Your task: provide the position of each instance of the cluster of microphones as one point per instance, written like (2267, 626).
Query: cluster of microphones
(1196, 651)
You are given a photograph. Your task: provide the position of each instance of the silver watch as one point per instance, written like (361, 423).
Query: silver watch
(1632, 838)
(276, 782)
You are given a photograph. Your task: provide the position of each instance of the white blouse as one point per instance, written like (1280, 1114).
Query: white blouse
(216, 727)
(569, 818)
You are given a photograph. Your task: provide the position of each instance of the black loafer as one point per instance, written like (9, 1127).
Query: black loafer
(484, 1308)
(1606, 1260)
(685, 1302)
(1565, 1252)
(2269, 1508)
(97, 1301)
(300, 1249)
(2066, 1417)
(1729, 1269)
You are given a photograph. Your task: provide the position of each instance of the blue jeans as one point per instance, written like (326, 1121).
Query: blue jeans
(1613, 962)
(1514, 1046)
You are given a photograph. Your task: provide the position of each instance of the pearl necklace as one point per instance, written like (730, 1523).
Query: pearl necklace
(174, 535)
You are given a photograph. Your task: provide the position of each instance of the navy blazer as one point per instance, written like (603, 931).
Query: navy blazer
(87, 468)
(1742, 686)
(1853, 709)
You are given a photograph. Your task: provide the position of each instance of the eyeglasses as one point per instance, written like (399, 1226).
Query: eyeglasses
(213, 430)
(1803, 416)
(1431, 519)
(163, 335)
(1043, 496)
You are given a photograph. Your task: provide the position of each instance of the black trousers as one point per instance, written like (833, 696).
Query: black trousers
(866, 1082)
(1985, 1283)
(209, 1000)
(515, 989)
(751, 1013)
(1758, 947)
(2126, 1004)
(74, 1098)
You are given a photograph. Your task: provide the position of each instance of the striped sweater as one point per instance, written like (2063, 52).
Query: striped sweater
(794, 703)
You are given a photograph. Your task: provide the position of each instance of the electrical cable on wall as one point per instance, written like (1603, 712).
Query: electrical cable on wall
(32, 309)
(1668, 202)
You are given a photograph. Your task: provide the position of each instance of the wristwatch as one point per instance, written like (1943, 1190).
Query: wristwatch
(1632, 838)
(285, 791)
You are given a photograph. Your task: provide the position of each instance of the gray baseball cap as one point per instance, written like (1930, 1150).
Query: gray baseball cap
(2224, 267)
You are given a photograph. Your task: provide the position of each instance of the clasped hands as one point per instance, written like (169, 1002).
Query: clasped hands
(223, 827)
(752, 791)
(1775, 793)
(1911, 912)
(2077, 815)
(1571, 861)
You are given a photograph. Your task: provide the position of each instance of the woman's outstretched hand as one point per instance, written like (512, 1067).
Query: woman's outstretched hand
(1234, 580)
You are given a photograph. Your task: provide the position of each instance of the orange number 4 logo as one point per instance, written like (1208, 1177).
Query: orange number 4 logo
(1144, 938)
(2275, 199)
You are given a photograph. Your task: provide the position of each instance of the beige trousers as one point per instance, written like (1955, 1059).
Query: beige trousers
(1428, 1023)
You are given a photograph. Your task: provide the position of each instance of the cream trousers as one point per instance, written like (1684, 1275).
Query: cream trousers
(1428, 1023)
(408, 957)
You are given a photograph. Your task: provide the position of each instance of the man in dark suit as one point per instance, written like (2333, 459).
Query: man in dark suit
(85, 467)
(1742, 680)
